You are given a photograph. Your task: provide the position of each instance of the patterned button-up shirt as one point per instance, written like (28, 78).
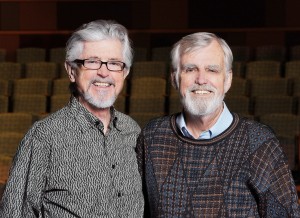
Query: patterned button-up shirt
(67, 167)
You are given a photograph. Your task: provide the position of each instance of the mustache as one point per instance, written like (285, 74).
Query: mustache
(205, 87)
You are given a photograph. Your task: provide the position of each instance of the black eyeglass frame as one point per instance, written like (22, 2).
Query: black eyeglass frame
(81, 61)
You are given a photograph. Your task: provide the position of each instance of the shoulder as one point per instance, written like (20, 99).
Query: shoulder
(56, 117)
(158, 124)
(258, 134)
(126, 122)
(55, 122)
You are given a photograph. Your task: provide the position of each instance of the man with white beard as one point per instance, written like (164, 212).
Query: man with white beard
(207, 161)
(80, 161)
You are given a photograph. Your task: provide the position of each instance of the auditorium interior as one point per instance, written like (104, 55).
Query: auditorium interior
(264, 36)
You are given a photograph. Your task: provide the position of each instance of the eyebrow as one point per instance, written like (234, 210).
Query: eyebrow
(189, 66)
(214, 67)
(114, 59)
(92, 57)
(110, 59)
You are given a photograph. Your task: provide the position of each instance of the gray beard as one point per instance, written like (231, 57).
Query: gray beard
(199, 106)
(100, 102)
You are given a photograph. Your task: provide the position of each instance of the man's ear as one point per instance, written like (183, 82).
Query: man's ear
(126, 72)
(173, 80)
(71, 71)
(228, 81)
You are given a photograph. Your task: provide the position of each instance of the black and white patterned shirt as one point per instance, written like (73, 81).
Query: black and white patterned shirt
(66, 167)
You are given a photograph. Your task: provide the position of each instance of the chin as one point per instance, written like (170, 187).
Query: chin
(201, 107)
(100, 102)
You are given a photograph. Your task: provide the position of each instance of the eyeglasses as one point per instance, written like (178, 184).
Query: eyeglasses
(92, 64)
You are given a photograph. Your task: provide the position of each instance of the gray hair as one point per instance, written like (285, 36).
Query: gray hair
(95, 31)
(196, 41)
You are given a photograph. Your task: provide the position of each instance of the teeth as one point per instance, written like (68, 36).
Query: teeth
(101, 84)
(201, 92)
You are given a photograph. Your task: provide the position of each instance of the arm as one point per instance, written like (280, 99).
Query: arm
(273, 182)
(140, 150)
(23, 192)
(140, 155)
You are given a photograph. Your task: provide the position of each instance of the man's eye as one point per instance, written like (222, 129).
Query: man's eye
(190, 70)
(213, 70)
(92, 61)
(115, 63)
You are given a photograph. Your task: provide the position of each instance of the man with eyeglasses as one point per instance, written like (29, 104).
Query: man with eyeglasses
(80, 161)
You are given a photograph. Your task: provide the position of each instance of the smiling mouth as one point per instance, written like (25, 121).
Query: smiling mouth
(102, 84)
(201, 92)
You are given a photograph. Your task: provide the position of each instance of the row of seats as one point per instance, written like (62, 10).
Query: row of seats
(51, 70)
(248, 70)
(34, 54)
(261, 105)
(266, 52)
(144, 108)
(46, 70)
(154, 105)
(258, 69)
(264, 86)
(154, 86)
(55, 93)
(240, 53)
(57, 55)
(13, 126)
(33, 95)
(137, 86)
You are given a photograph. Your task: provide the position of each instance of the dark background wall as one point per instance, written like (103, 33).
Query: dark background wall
(48, 23)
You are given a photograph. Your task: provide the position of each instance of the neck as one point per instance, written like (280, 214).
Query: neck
(103, 114)
(198, 124)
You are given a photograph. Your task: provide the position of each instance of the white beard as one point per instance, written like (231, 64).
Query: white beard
(198, 106)
(100, 101)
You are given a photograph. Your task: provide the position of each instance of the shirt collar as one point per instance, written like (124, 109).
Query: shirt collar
(86, 118)
(223, 122)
